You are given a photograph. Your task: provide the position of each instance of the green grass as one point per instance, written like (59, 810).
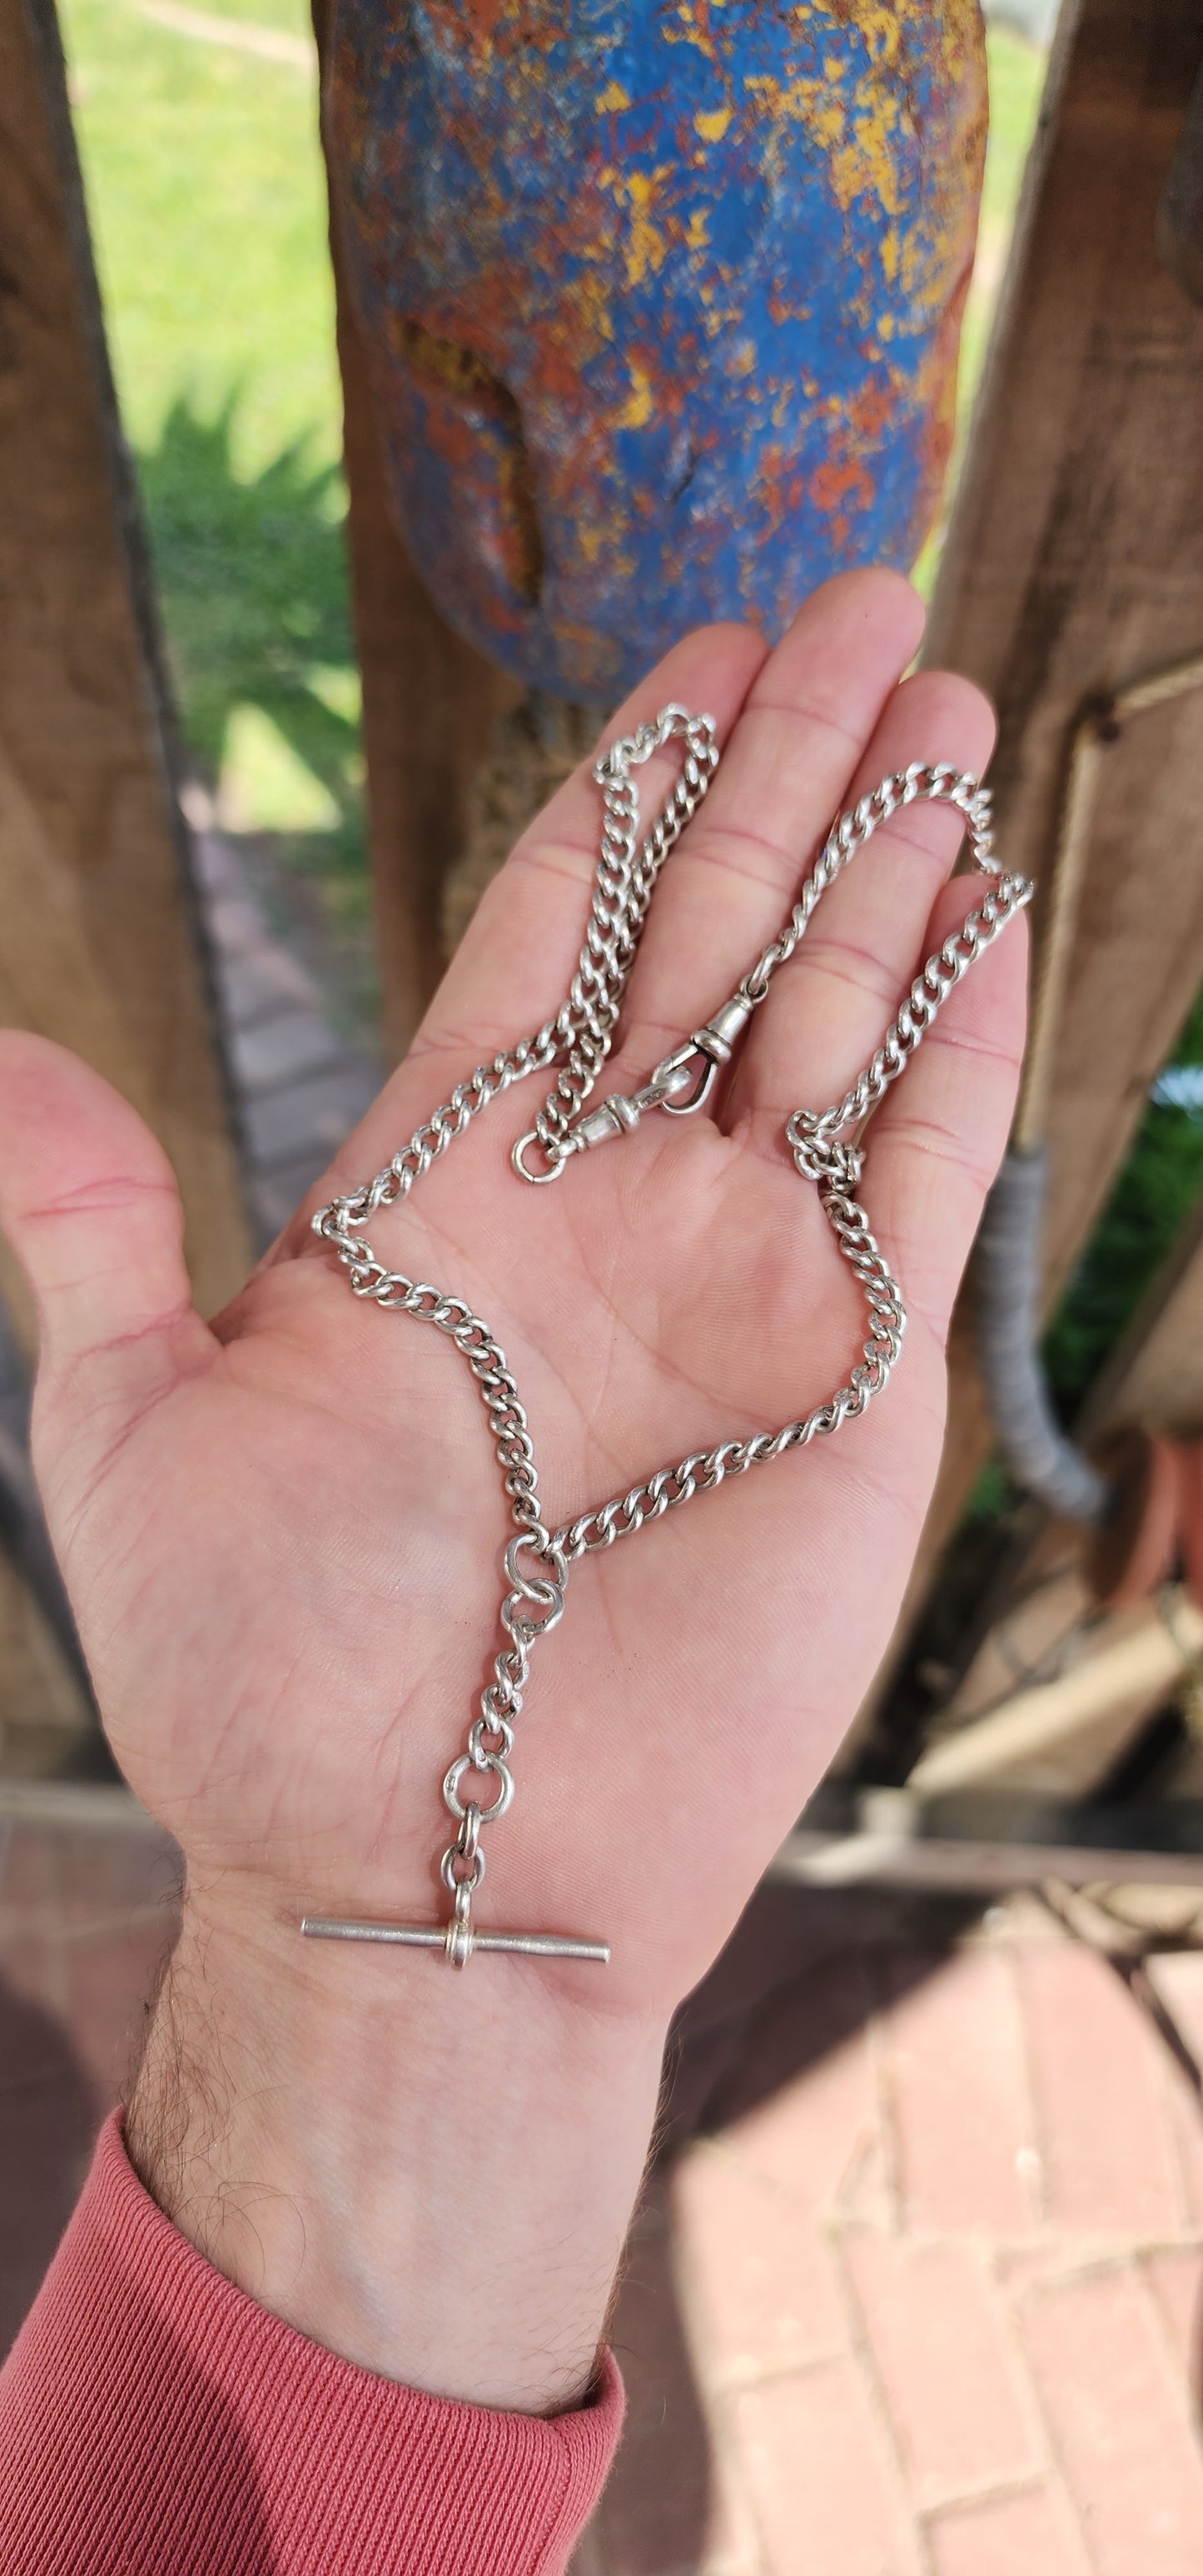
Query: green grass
(207, 202)
(1155, 1191)
(1016, 84)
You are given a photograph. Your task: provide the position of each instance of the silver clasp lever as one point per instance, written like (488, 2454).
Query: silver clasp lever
(681, 1083)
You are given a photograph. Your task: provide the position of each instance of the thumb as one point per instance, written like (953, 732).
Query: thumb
(89, 1204)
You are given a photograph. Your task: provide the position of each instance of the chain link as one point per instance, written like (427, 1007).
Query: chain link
(479, 1786)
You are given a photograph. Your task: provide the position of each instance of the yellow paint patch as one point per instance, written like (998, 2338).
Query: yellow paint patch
(638, 411)
(881, 28)
(637, 190)
(827, 123)
(613, 100)
(867, 163)
(589, 296)
(712, 124)
(802, 101)
(688, 32)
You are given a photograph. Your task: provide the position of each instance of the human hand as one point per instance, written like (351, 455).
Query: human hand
(281, 1532)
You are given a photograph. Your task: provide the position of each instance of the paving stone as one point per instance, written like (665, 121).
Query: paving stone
(824, 2488)
(46, 2136)
(29, 1871)
(1175, 2273)
(804, 2107)
(33, 1977)
(1102, 2097)
(319, 1113)
(285, 1049)
(867, 2195)
(109, 1982)
(1017, 2535)
(218, 865)
(699, 2064)
(260, 982)
(235, 924)
(787, 1942)
(1121, 2423)
(731, 2544)
(659, 2501)
(1177, 1978)
(1186, 2124)
(111, 1872)
(758, 2275)
(275, 1196)
(939, 2343)
(956, 2068)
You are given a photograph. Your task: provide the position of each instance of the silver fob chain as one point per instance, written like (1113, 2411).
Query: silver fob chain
(479, 1786)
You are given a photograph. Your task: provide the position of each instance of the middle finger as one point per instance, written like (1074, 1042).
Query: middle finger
(802, 732)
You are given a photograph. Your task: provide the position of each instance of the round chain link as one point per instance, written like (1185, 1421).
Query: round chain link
(578, 1041)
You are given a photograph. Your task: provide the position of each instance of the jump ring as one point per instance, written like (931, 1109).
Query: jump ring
(538, 1180)
(504, 1777)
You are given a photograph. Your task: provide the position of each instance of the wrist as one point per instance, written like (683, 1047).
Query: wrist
(430, 2172)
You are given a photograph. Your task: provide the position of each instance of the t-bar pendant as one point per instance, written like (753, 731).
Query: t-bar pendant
(456, 1939)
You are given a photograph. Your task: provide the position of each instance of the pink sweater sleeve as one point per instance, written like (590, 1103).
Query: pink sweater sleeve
(155, 2422)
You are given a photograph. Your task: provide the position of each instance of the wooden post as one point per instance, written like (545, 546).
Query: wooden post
(429, 702)
(100, 944)
(1155, 1377)
(1074, 565)
(99, 939)
(46, 1709)
(1153, 1382)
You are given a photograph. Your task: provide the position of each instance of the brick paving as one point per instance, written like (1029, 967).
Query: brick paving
(932, 2224)
(917, 2287)
(300, 1085)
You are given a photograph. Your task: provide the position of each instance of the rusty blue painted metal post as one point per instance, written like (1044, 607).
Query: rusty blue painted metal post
(662, 300)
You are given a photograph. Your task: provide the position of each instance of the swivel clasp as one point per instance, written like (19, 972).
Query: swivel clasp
(715, 1045)
(681, 1083)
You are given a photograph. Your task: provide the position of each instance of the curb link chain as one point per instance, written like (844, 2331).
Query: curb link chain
(479, 1786)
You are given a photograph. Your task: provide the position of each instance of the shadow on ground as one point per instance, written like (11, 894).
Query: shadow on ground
(794, 1983)
(47, 2123)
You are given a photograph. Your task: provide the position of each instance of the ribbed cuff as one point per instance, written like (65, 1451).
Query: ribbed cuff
(155, 2422)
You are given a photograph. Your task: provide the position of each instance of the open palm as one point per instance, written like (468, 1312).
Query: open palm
(282, 1532)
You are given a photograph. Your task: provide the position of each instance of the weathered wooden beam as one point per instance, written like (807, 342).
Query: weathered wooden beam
(429, 701)
(99, 938)
(45, 1700)
(1042, 1733)
(899, 1846)
(100, 945)
(1153, 1382)
(1155, 1377)
(1074, 566)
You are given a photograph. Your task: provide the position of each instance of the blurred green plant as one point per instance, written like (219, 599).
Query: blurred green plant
(207, 203)
(1155, 1192)
(252, 576)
